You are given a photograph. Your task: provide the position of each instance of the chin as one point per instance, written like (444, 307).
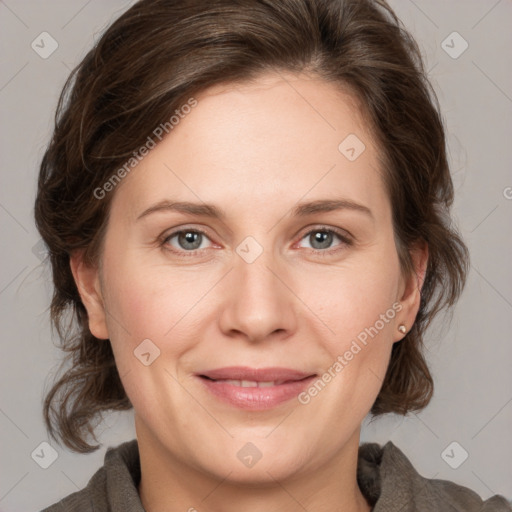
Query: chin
(264, 472)
(256, 460)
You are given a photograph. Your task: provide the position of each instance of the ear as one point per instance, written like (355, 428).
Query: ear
(88, 283)
(413, 283)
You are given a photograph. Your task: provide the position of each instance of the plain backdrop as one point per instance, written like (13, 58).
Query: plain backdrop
(470, 358)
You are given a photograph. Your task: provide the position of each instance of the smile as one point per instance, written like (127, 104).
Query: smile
(254, 389)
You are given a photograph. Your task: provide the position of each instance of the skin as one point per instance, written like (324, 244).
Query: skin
(255, 150)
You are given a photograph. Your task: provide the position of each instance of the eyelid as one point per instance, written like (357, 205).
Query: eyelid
(323, 227)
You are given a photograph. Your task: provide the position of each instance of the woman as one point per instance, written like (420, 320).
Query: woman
(246, 205)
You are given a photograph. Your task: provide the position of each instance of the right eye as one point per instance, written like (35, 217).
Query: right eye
(186, 241)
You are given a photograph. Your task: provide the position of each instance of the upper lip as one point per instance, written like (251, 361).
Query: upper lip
(255, 374)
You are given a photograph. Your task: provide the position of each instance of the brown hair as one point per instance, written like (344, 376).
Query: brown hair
(146, 65)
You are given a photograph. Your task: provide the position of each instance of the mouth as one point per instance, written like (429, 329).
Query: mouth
(255, 389)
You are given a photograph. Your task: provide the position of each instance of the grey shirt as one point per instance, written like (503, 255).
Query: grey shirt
(384, 474)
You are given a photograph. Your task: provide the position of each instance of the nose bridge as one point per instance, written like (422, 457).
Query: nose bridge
(258, 302)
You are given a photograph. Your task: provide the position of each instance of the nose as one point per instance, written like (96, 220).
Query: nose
(259, 303)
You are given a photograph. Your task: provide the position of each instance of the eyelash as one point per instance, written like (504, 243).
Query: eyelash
(346, 241)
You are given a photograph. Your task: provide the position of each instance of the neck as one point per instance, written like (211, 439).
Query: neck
(173, 485)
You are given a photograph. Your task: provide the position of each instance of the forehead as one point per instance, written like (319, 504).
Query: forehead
(277, 138)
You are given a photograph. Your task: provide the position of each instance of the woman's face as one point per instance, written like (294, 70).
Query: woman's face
(252, 326)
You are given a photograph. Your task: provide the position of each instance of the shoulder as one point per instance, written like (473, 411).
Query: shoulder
(112, 488)
(389, 482)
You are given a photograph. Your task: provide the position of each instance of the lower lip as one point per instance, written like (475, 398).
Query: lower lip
(256, 399)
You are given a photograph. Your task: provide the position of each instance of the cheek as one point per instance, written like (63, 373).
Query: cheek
(148, 330)
(359, 305)
(356, 298)
(156, 302)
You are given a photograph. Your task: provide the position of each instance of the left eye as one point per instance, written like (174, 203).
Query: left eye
(320, 239)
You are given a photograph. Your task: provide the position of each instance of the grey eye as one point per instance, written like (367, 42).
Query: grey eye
(321, 239)
(187, 240)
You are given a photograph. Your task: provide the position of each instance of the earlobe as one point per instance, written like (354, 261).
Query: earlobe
(88, 284)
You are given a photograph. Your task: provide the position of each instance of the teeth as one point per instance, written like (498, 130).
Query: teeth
(251, 383)
(266, 384)
(233, 382)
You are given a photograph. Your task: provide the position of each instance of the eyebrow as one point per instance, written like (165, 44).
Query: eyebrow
(301, 210)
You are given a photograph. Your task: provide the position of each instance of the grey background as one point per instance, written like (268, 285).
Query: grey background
(470, 359)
